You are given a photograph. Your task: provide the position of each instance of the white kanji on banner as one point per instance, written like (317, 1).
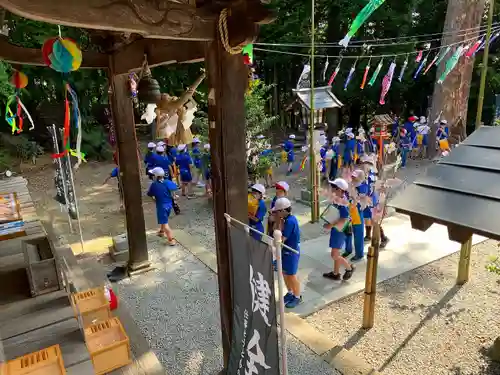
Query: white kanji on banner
(257, 358)
(261, 294)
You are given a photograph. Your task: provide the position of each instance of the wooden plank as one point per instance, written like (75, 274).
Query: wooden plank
(31, 305)
(83, 368)
(67, 334)
(485, 136)
(446, 207)
(474, 157)
(462, 180)
(60, 312)
(33, 56)
(170, 20)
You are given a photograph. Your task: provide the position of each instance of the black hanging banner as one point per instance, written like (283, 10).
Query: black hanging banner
(254, 347)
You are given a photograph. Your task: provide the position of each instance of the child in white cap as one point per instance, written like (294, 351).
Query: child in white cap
(184, 164)
(422, 136)
(339, 189)
(196, 156)
(282, 189)
(162, 191)
(256, 220)
(289, 259)
(149, 159)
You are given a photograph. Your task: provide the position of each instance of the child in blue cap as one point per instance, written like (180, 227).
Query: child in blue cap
(184, 163)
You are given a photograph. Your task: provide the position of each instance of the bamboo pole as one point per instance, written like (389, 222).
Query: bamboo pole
(464, 262)
(484, 70)
(312, 156)
(371, 278)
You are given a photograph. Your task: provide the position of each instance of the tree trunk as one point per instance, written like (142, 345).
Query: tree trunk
(452, 96)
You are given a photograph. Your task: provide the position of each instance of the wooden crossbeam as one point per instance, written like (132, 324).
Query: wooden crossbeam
(33, 56)
(159, 52)
(170, 20)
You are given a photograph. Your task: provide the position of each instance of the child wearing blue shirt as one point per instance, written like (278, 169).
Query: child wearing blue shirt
(149, 158)
(405, 146)
(115, 173)
(196, 156)
(161, 190)
(288, 147)
(337, 236)
(289, 258)
(184, 162)
(350, 146)
(256, 221)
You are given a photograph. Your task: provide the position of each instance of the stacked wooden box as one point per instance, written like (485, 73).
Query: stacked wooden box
(47, 361)
(105, 337)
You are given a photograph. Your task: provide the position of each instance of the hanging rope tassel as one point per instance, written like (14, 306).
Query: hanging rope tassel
(30, 119)
(19, 115)
(77, 120)
(67, 117)
(10, 117)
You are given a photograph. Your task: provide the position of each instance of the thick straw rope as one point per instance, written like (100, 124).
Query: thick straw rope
(224, 34)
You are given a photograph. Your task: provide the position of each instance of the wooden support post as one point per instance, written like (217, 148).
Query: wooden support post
(371, 278)
(227, 82)
(464, 262)
(123, 117)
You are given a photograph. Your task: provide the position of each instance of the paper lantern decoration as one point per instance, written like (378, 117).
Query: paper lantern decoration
(15, 119)
(62, 54)
(19, 80)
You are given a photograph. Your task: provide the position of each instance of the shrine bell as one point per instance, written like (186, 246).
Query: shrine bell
(148, 89)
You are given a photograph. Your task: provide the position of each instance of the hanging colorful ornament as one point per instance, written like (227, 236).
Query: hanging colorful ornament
(77, 121)
(403, 69)
(304, 80)
(335, 72)
(365, 13)
(247, 52)
(443, 54)
(62, 54)
(471, 51)
(365, 75)
(420, 67)
(387, 82)
(351, 74)
(431, 63)
(492, 39)
(376, 73)
(19, 80)
(451, 63)
(419, 56)
(325, 68)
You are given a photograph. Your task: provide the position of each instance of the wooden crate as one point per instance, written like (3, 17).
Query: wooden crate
(44, 362)
(41, 266)
(90, 306)
(108, 345)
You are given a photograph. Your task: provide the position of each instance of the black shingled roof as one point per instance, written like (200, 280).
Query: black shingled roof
(462, 191)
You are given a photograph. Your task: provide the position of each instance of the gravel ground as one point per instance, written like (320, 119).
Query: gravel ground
(424, 321)
(176, 308)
